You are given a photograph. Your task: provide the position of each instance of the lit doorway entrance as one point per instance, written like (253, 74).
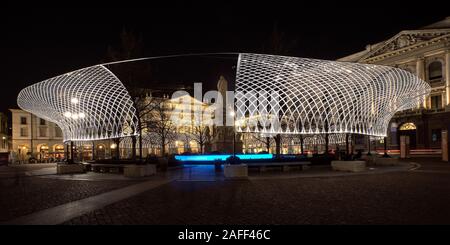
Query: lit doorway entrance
(408, 129)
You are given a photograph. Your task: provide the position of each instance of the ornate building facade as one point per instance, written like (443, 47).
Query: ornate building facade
(426, 53)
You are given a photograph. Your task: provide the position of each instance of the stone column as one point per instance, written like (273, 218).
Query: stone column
(420, 72)
(447, 77)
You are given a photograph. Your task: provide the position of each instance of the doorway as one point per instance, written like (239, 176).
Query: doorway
(408, 129)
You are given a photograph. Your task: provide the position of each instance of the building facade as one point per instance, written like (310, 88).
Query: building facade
(4, 144)
(177, 116)
(426, 53)
(5, 139)
(34, 137)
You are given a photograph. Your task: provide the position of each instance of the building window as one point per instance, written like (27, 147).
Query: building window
(41, 122)
(23, 120)
(58, 132)
(436, 135)
(436, 102)
(23, 132)
(408, 126)
(435, 70)
(43, 131)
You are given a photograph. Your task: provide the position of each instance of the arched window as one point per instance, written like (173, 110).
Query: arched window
(408, 126)
(435, 70)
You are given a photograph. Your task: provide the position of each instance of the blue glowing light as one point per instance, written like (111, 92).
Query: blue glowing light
(210, 158)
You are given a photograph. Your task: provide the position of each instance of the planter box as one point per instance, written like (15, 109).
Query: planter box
(238, 171)
(349, 166)
(139, 170)
(69, 168)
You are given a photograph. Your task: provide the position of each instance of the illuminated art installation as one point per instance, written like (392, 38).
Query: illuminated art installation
(148, 141)
(305, 96)
(290, 95)
(87, 104)
(319, 139)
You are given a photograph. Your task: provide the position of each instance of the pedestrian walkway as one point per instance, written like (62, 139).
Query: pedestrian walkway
(188, 173)
(65, 212)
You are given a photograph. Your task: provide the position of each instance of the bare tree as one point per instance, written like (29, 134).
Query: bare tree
(200, 133)
(133, 75)
(160, 125)
(266, 140)
(278, 43)
(186, 138)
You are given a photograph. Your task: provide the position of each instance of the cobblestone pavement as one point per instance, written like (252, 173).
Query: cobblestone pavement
(413, 197)
(22, 195)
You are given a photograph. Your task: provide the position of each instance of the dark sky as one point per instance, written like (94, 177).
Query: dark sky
(40, 43)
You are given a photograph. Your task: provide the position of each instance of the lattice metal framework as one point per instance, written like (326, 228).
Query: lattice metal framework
(319, 139)
(148, 142)
(87, 104)
(310, 96)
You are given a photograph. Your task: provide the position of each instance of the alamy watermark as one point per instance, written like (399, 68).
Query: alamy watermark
(226, 108)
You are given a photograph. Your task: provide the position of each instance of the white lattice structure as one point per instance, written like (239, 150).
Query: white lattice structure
(87, 104)
(303, 96)
(309, 96)
(319, 139)
(148, 141)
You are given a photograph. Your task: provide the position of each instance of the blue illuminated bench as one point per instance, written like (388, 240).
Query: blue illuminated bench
(260, 161)
(220, 157)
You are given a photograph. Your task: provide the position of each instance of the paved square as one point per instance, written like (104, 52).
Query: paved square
(402, 197)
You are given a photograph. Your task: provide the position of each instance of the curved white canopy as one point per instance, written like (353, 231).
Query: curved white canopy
(274, 94)
(87, 104)
(279, 94)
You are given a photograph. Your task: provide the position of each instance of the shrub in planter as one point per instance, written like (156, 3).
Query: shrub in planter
(233, 160)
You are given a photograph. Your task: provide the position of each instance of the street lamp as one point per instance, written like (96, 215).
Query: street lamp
(385, 147)
(74, 116)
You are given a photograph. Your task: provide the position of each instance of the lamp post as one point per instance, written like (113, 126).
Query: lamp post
(72, 115)
(385, 147)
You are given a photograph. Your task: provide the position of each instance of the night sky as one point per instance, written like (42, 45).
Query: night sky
(40, 43)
